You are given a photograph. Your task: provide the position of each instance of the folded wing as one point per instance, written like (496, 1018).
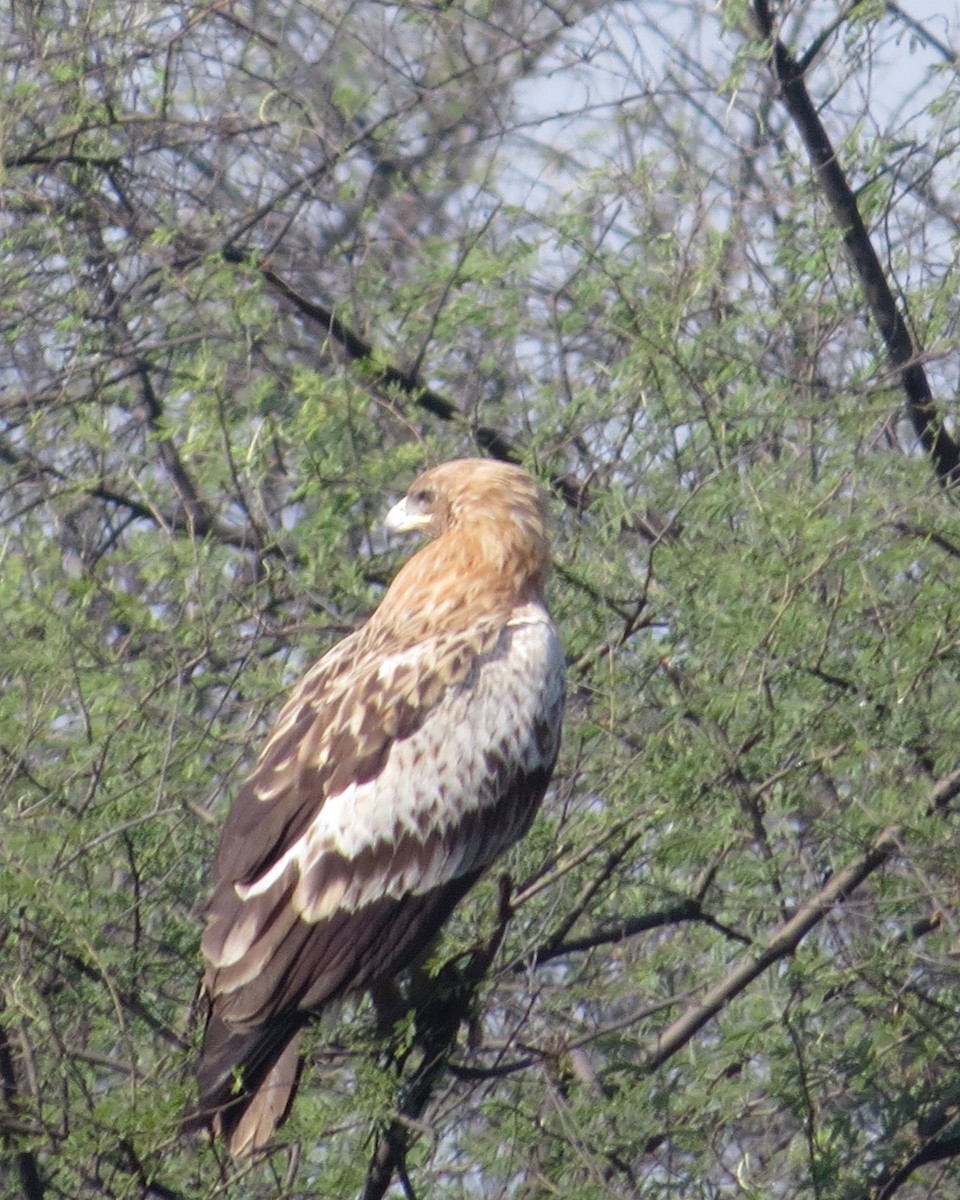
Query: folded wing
(396, 774)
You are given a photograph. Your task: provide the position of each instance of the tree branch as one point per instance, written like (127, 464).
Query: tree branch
(678, 914)
(922, 32)
(892, 1179)
(31, 1184)
(390, 378)
(944, 790)
(781, 945)
(903, 354)
(30, 469)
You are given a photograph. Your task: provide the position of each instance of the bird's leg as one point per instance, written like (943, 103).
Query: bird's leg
(390, 1005)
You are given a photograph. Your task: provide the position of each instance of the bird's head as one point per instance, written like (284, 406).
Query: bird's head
(487, 519)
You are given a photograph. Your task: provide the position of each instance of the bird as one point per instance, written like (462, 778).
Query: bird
(409, 757)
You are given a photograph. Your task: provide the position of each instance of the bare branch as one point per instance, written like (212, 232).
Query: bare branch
(921, 31)
(684, 912)
(781, 945)
(892, 1179)
(904, 355)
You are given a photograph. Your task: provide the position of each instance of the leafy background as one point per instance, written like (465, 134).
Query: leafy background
(262, 262)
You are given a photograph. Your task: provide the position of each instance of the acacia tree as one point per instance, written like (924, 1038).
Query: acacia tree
(261, 263)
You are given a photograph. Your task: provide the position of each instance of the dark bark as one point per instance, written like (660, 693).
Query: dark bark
(905, 357)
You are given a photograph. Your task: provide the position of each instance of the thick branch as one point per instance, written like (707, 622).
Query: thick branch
(903, 354)
(944, 790)
(781, 945)
(890, 1182)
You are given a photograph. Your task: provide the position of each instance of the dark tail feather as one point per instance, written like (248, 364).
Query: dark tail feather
(247, 1082)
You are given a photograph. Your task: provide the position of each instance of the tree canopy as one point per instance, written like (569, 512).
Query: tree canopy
(696, 267)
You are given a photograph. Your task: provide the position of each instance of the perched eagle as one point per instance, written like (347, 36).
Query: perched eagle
(408, 758)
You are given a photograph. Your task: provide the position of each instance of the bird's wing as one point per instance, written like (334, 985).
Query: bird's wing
(391, 781)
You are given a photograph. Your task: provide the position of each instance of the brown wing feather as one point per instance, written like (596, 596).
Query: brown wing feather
(296, 964)
(485, 745)
(335, 729)
(267, 1051)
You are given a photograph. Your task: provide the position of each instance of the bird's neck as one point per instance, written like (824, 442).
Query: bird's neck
(484, 571)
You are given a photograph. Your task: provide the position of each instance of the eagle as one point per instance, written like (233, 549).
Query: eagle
(409, 756)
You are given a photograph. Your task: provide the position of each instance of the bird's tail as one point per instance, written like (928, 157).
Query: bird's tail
(247, 1081)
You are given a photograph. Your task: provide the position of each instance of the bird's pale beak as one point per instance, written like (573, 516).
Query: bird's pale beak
(404, 518)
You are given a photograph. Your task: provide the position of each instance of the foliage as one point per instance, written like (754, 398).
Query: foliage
(260, 263)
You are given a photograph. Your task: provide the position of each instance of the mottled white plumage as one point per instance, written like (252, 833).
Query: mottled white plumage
(516, 689)
(408, 758)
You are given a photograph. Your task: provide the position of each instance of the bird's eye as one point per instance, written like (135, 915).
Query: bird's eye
(423, 498)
